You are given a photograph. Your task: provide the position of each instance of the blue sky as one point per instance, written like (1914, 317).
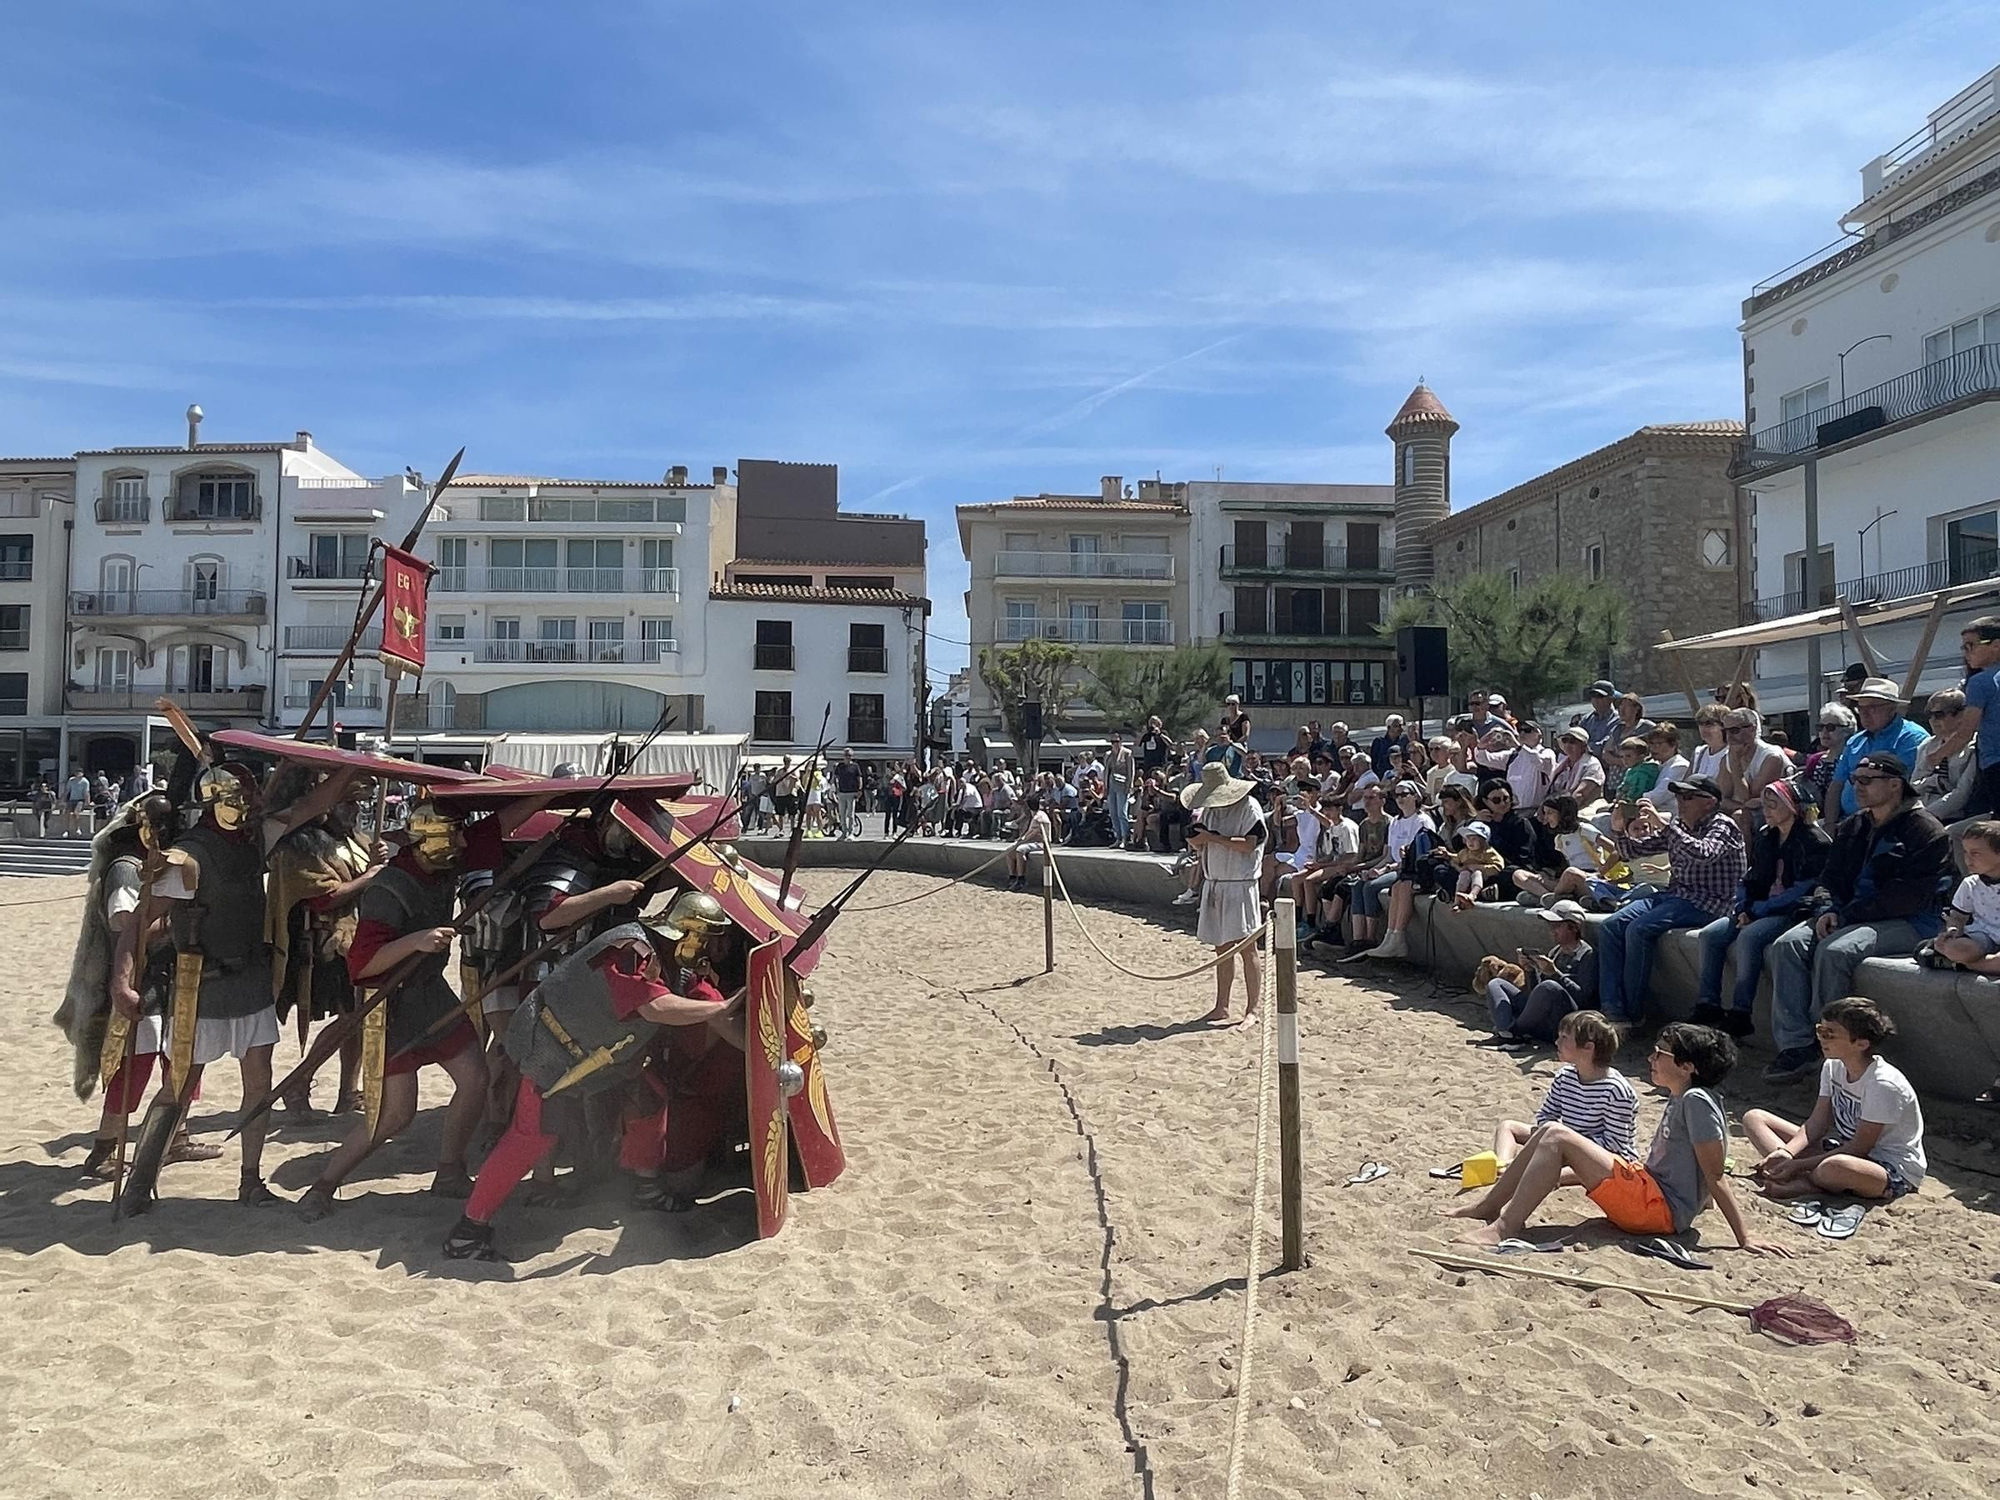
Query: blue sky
(962, 252)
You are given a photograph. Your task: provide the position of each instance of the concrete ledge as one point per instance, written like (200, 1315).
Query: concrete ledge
(1948, 1024)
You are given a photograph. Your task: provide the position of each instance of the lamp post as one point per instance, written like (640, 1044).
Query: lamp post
(1861, 538)
(1811, 580)
(1842, 357)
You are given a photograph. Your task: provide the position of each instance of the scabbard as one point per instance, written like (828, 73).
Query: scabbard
(468, 984)
(302, 994)
(374, 1063)
(111, 1057)
(187, 1002)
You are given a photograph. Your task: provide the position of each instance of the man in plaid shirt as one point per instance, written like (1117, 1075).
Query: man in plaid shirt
(1706, 854)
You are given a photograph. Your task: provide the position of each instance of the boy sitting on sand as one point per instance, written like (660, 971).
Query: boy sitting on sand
(1865, 1136)
(1683, 1168)
(1587, 1094)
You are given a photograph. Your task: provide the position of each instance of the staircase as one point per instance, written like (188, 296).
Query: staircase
(45, 857)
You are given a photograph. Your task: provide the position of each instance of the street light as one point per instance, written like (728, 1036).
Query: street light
(1842, 357)
(1810, 581)
(1861, 539)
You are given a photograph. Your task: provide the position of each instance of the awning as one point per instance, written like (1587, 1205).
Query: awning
(1832, 619)
(712, 757)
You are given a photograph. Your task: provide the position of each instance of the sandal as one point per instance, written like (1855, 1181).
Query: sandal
(651, 1194)
(101, 1163)
(315, 1203)
(1842, 1225)
(186, 1148)
(470, 1241)
(1673, 1252)
(256, 1192)
(1808, 1214)
(1371, 1171)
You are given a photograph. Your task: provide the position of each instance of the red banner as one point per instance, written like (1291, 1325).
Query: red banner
(404, 580)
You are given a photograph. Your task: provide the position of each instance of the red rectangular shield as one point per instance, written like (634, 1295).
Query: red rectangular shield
(815, 1137)
(763, 1051)
(404, 581)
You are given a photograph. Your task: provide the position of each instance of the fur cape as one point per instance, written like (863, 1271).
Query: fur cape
(86, 1002)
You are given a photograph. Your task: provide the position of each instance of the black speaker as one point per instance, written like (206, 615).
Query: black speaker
(1031, 721)
(1421, 671)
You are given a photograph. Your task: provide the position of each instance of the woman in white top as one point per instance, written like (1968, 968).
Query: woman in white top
(1707, 758)
(1664, 744)
(1228, 836)
(1578, 773)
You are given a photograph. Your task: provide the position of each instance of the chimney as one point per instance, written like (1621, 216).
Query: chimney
(194, 425)
(678, 474)
(302, 440)
(721, 472)
(1112, 487)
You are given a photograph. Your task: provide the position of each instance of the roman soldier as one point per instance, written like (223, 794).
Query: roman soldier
(406, 912)
(587, 1028)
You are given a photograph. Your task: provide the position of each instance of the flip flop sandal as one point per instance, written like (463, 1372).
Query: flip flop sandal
(1809, 1213)
(1450, 1171)
(1371, 1171)
(1842, 1226)
(1671, 1251)
(1528, 1247)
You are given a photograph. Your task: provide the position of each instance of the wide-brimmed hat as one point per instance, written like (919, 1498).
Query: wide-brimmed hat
(1878, 688)
(1217, 788)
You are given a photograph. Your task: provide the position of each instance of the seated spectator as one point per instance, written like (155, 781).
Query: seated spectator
(1631, 774)
(1357, 775)
(1562, 982)
(1705, 856)
(1392, 737)
(1685, 1166)
(1587, 1094)
(1524, 847)
(1971, 936)
(1878, 897)
(1034, 835)
(1865, 1135)
(1749, 763)
(1787, 857)
(1711, 742)
(1947, 779)
(1372, 834)
(1979, 724)
(1577, 773)
(1336, 850)
(1478, 865)
(1585, 855)
(1884, 731)
(1663, 749)
(1440, 767)
(1837, 726)
(1409, 824)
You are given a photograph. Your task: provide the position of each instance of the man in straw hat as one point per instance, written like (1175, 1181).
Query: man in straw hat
(1884, 731)
(1227, 835)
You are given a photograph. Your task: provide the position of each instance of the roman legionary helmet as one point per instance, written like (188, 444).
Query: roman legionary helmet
(689, 922)
(224, 793)
(434, 836)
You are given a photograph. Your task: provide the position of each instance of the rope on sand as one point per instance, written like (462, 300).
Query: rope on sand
(936, 889)
(1201, 968)
(1253, 1269)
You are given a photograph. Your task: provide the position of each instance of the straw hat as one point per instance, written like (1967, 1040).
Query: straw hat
(1217, 788)
(1880, 688)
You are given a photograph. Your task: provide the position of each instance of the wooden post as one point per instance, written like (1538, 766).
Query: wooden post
(1921, 657)
(1867, 651)
(1291, 1179)
(1686, 674)
(391, 675)
(1048, 910)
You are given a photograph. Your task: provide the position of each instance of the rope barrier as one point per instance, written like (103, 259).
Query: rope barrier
(1240, 1424)
(45, 900)
(1221, 958)
(936, 889)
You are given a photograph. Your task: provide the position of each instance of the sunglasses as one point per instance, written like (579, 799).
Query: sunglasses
(1866, 777)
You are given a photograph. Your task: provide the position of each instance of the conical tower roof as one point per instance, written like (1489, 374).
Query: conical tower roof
(1423, 410)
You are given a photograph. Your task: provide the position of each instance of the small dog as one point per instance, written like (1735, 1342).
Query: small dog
(1491, 968)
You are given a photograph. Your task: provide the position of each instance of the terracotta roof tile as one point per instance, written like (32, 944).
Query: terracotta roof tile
(775, 593)
(1423, 409)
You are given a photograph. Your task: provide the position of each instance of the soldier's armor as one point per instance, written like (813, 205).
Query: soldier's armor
(224, 922)
(577, 997)
(560, 874)
(409, 904)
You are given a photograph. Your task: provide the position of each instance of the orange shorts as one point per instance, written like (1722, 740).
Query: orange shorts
(1633, 1201)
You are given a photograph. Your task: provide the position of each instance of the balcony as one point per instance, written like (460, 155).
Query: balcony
(1081, 632)
(134, 699)
(186, 510)
(337, 702)
(1970, 375)
(326, 640)
(536, 580)
(561, 653)
(660, 580)
(659, 651)
(1155, 567)
(772, 658)
(866, 731)
(1970, 566)
(1239, 626)
(1288, 560)
(583, 510)
(124, 510)
(162, 604)
(868, 658)
(309, 570)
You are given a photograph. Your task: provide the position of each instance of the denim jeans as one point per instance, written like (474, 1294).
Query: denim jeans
(1808, 973)
(1537, 1014)
(1371, 896)
(1120, 799)
(1749, 943)
(1625, 950)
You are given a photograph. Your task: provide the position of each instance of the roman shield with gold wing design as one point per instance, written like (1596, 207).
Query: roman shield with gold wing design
(815, 1137)
(763, 1053)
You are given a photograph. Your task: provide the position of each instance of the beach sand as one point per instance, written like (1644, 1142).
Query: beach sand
(1028, 1283)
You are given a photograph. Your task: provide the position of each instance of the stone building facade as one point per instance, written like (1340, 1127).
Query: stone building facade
(1654, 512)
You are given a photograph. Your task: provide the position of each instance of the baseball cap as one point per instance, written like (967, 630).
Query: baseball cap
(1602, 688)
(1882, 760)
(1575, 733)
(1477, 828)
(1696, 786)
(1561, 911)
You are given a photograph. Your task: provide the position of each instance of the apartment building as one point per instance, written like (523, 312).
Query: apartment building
(37, 500)
(1092, 571)
(1875, 364)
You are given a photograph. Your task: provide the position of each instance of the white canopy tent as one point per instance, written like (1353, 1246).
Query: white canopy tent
(713, 757)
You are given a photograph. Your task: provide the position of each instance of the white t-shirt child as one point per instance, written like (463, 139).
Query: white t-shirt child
(1880, 1096)
(1979, 899)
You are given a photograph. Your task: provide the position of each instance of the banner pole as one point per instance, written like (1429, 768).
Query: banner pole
(1291, 1183)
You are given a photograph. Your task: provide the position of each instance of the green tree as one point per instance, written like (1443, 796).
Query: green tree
(1180, 686)
(1539, 645)
(1034, 670)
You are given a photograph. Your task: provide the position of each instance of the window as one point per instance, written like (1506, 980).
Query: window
(1972, 547)
(116, 575)
(1145, 622)
(1717, 550)
(216, 497)
(656, 639)
(1408, 459)
(1021, 621)
(449, 628)
(866, 649)
(1593, 561)
(555, 640)
(1083, 552)
(205, 584)
(13, 627)
(451, 565)
(1250, 612)
(1305, 546)
(596, 567)
(1795, 580)
(1082, 623)
(1961, 336)
(17, 558)
(776, 580)
(504, 642)
(1298, 612)
(443, 706)
(1364, 611)
(773, 717)
(774, 653)
(1364, 545)
(522, 565)
(197, 669)
(865, 722)
(884, 581)
(114, 669)
(335, 555)
(1804, 403)
(658, 575)
(607, 640)
(1514, 580)
(13, 694)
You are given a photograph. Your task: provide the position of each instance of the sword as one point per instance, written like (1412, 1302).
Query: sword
(596, 1062)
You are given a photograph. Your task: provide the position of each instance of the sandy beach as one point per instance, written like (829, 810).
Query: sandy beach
(1029, 1283)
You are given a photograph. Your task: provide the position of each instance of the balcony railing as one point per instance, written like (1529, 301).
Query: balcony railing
(1967, 374)
(582, 509)
(336, 703)
(573, 653)
(771, 727)
(1078, 632)
(867, 731)
(659, 650)
(124, 510)
(660, 580)
(772, 658)
(1328, 557)
(130, 603)
(1136, 565)
(1970, 566)
(243, 700)
(345, 571)
(17, 571)
(867, 658)
(187, 511)
(1236, 623)
(531, 581)
(13, 640)
(330, 638)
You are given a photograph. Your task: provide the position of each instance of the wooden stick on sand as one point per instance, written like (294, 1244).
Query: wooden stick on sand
(1593, 1283)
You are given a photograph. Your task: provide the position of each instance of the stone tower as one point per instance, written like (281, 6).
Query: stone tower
(1422, 434)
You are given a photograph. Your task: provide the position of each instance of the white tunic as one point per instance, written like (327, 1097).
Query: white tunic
(1230, 906)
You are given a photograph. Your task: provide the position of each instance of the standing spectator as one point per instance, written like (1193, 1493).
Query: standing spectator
(1517, 754)
(785, 795)
(1705, 854)
(1228, 837)
(1119, 768)
(1392, 737)
(1579, 773)
(1233, 719)
(142, 779)
(847, 792)
(893, 789)
(1479, 714)
(1879, 897)
(1156, 746)
(1979, 725)
(1787, 856)
(76, 804)
(42, 802)
(1884, 731)
(1599, 724)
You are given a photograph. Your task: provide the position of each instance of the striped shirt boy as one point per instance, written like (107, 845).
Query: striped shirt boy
(1604, 1110)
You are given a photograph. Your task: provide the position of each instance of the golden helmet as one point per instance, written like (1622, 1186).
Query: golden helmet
(224, 795)
(694, 912)
(434, 836)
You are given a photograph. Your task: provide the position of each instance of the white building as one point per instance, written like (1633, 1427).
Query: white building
(1879, 359)
(37, 498)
